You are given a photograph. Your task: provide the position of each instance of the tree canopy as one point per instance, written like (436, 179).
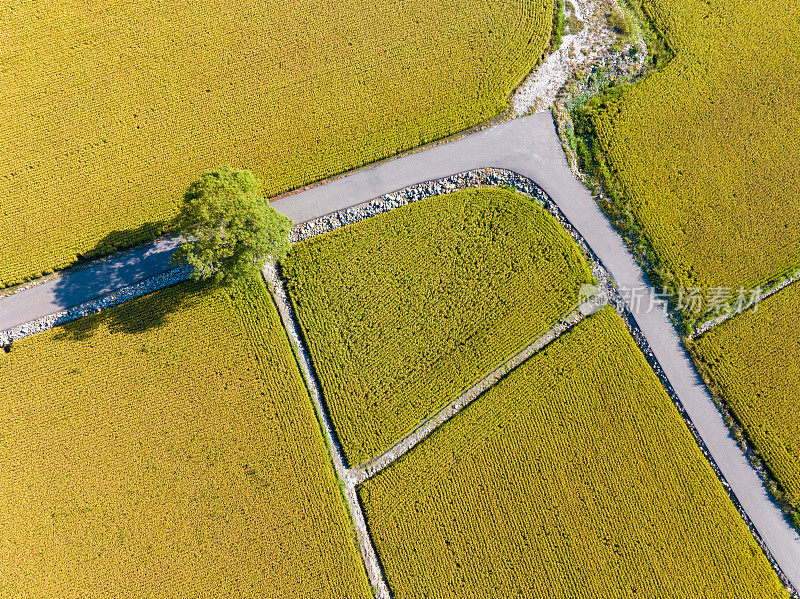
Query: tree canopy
(231, 230)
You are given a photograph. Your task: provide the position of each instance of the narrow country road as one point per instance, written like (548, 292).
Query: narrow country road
(80, 285)
(530, 147)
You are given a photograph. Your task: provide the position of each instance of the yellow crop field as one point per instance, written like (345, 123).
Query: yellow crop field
(168, 448)
(751, 361)
(706, 151)
(108, 111)
(405, 310)
(574, 477)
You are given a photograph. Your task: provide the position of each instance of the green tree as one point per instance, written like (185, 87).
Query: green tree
(230, 228)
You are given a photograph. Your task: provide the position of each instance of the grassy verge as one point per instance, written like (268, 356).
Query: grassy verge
(788, 504)
(603, 90)
(748, 363)
(615, 199)
(558, 25)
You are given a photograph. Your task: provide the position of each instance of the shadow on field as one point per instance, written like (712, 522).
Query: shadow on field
(98, 279)
(137, 316)
(126, 238)
(133, 263)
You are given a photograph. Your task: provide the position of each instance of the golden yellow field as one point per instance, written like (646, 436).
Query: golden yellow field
(109, 110)
(574, 477)
(171, 452)
(404, 311)
(751, 361)
(707, 150)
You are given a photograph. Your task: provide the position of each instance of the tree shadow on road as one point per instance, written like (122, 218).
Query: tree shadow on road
(134, 317)
(88, 281)
(121, 239)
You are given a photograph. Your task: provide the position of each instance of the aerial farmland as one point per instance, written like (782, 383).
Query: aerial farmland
(391, 299)
(150, 93)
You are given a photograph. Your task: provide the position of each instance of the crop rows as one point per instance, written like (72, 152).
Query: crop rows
(574, 477)
(110, 111)
(751, 361)
(706, 150)
(405, 310)
(168, 448)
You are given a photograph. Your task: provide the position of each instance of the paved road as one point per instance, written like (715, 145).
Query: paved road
(530, 147)
(77, 286)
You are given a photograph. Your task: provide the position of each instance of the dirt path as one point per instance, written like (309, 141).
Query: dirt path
(368, 469)
(368, 555)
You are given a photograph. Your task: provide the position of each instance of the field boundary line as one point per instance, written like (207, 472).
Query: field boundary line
(368, 469)
(703, 328)
(692, 393)
(655, 365)
(606, 288)
(369, 556)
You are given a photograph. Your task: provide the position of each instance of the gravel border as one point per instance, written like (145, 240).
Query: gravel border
(607, 292)
(371, 467)
(124, 294)
(484, 177)
(710, 324)
(272, 275)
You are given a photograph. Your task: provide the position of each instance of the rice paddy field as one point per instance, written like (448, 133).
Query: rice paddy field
(574, 477)
(751, 362)
(110, 110)
(403, 311)
(707, 149)
(168, 448)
